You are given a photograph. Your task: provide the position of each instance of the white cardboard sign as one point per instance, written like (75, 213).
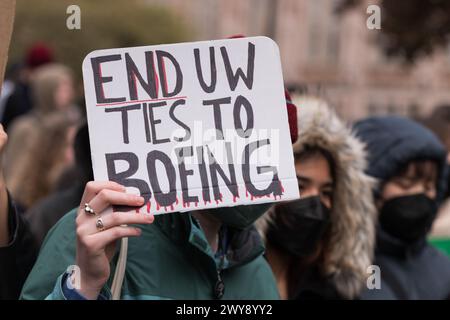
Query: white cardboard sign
(191, 125)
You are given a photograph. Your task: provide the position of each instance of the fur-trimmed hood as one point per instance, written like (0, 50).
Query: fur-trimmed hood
(352, 234)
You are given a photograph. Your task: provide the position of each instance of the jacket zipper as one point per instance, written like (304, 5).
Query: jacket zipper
(219, 287)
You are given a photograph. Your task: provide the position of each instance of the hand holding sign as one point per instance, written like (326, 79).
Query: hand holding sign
(191, 126)
(95, 248)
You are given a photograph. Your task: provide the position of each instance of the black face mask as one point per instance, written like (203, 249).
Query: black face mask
(408, 218)
(298, 226)
(239, 219)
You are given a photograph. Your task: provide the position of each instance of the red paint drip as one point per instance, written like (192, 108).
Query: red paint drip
(149, 205)
(196, 204)
(252, 197)
(220, 199)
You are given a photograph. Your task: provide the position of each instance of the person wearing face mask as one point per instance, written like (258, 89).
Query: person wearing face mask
(320, 246)
(208, 254)
(410, 165)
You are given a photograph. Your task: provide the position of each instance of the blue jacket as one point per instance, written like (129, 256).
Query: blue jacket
(408, 270)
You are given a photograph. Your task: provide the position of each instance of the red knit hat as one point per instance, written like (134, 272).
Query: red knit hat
(235, 36)
(38, 55)
(292, 116)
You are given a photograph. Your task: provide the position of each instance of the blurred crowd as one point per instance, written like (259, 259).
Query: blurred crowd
(372, 193)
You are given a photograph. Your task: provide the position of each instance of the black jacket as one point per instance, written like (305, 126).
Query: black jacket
(408, 270)
(16, 259)
(314, 286)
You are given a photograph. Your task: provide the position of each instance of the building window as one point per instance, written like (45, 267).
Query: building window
(323, 31)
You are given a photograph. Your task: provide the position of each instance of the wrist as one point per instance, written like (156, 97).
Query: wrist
(88, 288)
(88, 291)
(71, 289)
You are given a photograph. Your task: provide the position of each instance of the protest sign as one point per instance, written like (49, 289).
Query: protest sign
(191, 125)
(6, 25)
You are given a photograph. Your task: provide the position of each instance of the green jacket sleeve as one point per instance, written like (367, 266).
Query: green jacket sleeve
(56, 256)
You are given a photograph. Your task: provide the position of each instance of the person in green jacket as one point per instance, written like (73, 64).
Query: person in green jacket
(173, 256)
(195, 255)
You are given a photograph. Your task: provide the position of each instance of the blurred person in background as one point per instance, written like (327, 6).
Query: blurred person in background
(49, 154)
(10, 82)
(20, 101)
(410, 164)
(21, 235)
(320, 246)
(46, 213)
(17, 247)
(40, 141)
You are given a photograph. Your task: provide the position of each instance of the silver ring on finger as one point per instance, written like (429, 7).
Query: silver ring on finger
(88, 210)
(99, 224)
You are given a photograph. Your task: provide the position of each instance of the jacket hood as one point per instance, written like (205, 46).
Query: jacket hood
(393, 141)
(352, 234)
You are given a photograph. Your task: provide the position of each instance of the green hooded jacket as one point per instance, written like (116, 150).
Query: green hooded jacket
(170, 260)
